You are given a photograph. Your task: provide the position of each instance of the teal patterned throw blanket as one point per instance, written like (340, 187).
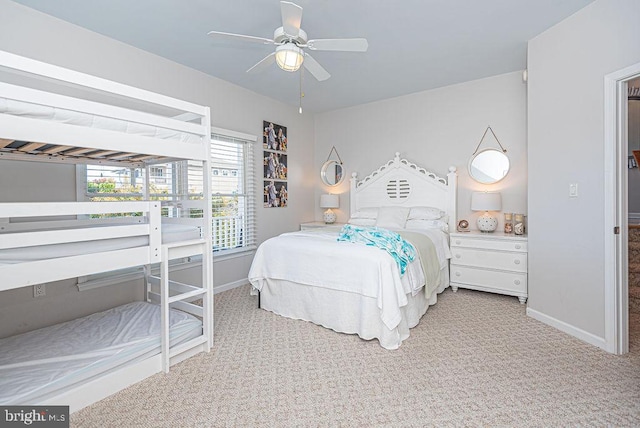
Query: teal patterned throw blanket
(401, 250)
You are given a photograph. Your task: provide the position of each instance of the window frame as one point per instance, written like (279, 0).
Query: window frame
(250, 193)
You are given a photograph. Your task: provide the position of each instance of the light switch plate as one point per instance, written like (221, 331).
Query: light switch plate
(573, 190)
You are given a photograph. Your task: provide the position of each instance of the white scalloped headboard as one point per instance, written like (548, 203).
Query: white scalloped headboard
(402, 183)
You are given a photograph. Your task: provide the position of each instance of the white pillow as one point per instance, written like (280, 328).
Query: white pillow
(427, 224)
(392, 217)
(425, 213)
(362, 221)
(366, 213)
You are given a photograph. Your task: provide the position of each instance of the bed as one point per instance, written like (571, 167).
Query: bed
(58, 358)
(359, 289)
(52, 114)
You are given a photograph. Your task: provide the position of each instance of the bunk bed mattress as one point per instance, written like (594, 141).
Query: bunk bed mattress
(170, 233)
(71, 117)
(54, 359)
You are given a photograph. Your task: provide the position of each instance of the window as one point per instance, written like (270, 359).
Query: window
(105, 183)
(233, 193)
(232, 188)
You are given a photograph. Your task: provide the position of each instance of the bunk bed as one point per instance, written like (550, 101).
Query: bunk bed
(52, 114)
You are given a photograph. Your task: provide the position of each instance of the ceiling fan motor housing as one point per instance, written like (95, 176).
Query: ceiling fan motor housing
(279, 36)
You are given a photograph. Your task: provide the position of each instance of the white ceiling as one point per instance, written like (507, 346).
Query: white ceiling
(414, 45)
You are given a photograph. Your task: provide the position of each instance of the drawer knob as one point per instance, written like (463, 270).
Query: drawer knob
(458, 242)
(458, 256)
(457, 273)
(518, 246)
(516, 282)
(517, 262)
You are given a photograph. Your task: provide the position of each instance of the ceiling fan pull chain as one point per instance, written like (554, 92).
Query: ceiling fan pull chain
(301, 93)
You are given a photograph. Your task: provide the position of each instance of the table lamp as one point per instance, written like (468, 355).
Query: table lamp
(486, 201)
(329, 201)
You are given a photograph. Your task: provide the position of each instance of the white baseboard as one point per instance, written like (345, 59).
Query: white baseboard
(568, 328)
(229, 285)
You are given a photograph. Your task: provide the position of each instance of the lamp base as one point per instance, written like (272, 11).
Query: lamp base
(329, 216)
(487, 223)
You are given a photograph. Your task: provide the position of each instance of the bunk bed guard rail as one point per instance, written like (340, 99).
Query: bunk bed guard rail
(16, 235)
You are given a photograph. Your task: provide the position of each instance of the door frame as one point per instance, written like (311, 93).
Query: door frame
(616, 290)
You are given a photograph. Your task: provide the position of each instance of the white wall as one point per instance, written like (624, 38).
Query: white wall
(567, 65)
(42, 37)
(434, 129)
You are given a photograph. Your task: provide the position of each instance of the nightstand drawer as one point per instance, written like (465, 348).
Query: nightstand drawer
(511, 261)
(502, 281)
(490, 244)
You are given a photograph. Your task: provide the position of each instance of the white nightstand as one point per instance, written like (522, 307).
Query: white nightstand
(317, 224)
(493, 262)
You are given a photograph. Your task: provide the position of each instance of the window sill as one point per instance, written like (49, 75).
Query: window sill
(223, 255)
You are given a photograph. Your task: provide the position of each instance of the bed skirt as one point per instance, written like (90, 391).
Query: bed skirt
(346, 312)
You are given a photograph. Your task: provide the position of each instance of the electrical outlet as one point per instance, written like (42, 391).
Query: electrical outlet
(38, 290)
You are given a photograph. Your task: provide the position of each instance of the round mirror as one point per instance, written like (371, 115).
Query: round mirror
(489, 166)
(332, 173)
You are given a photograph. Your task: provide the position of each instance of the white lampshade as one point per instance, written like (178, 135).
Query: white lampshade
(289, 57)
(486, 201)
(329, 201)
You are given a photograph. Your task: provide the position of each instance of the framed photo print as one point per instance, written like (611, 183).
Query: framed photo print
(275, 165)
(275, 194)
(274, 136)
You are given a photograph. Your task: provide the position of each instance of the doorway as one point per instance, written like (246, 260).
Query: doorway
(617, 209)
(633, 189)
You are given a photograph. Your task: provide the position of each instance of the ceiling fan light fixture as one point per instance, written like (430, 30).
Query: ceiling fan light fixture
(289, 57)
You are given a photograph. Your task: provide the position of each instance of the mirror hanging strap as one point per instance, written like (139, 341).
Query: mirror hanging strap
(333, 149)
(482, 139)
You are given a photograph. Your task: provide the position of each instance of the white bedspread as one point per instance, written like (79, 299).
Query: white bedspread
(316, 258)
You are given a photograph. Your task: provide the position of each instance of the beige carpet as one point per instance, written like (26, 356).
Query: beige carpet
(475, 359)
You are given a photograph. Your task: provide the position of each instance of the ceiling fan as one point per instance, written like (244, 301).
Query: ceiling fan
(291, 40)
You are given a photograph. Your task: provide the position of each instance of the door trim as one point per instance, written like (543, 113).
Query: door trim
(616, 269)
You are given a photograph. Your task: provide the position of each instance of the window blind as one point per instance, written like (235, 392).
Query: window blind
(233, 193)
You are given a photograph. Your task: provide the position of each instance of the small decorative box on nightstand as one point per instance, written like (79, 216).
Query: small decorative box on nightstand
(492, 262)
(317, 224)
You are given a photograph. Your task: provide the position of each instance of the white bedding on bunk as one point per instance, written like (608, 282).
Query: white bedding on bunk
(170, 233)
(38, 111)
(53, 359)
(316, 258)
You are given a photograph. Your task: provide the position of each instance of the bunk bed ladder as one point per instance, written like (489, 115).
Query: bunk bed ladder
(180, 296)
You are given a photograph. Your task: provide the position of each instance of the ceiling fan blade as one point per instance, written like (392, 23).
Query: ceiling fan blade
(347, 45)
(315, 68)
(263, 63)
(254, 39)
(291, 18)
